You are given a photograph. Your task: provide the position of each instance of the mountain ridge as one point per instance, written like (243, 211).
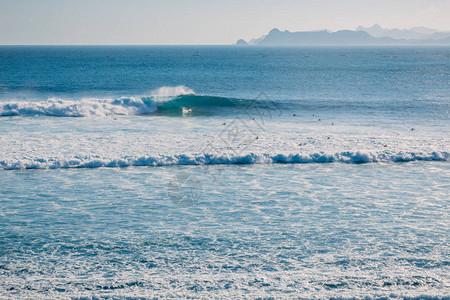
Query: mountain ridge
(375, 35)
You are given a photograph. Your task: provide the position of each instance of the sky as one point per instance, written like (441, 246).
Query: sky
(200, 22)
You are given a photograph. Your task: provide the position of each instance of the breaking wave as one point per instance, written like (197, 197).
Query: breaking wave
(165, 100)
(224, 159)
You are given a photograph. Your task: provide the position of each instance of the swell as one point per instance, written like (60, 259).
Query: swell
(225, 159)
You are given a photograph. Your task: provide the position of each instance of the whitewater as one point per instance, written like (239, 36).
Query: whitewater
(94, 107)
(299, 173)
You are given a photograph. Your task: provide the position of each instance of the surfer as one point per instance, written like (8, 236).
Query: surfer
(187, 110)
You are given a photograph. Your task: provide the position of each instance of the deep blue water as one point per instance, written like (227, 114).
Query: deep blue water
(299, 172)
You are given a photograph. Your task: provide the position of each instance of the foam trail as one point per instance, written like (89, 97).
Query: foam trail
(225, 159)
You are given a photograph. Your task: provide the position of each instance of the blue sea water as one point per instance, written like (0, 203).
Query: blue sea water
(299, 173)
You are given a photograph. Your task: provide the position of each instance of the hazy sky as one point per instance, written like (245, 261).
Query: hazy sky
(201, 21)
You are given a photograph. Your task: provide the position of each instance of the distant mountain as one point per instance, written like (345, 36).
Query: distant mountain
(349, 37)
(437, 36)
(343, 37)
(415, 33)
(257, 41)
(408, 34)
(423, 30)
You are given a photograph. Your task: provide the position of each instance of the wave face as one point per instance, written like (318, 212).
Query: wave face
(225, 159)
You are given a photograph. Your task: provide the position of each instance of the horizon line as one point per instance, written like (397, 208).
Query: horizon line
(234, 44)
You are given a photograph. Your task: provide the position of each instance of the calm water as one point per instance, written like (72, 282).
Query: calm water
(299, 172)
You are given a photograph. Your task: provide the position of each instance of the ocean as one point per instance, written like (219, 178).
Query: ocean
(224, 172)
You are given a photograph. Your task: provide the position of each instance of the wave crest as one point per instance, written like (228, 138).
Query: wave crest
(225, 159)
(82, 108)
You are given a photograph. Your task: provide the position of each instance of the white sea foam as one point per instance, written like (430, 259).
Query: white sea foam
(171, 91)
(82, 108)
(224, 159)
(93, 107)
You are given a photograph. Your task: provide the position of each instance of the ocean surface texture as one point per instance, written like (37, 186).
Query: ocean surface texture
(228, 172)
